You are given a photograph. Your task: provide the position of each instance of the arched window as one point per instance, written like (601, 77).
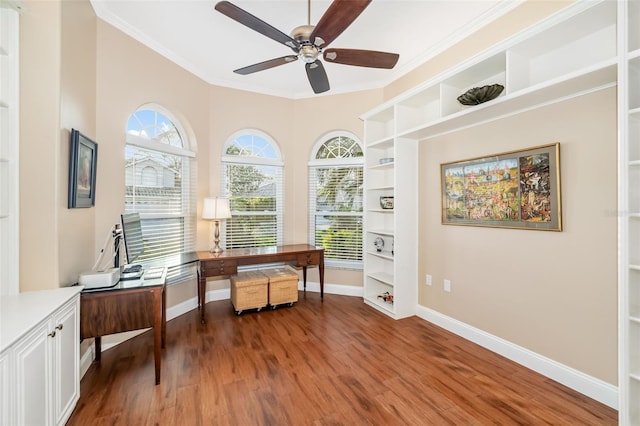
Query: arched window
(160, 176)
(252, 180)
(335, 199)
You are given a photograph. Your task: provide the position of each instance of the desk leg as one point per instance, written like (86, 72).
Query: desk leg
(304, 277)
(157, 331)
(202, 285)
(164, 317)
(198, 286)
(98, 347)
(321, 273)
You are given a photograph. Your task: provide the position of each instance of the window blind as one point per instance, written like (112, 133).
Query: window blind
(335, 212)
(161, 187)
(255, 197)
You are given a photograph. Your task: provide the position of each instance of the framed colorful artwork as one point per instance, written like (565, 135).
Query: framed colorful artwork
(518, 189)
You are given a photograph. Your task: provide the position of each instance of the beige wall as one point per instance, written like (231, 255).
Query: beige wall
(130, 75)
(78, 237)
(567, 312)
(40, 40)
(551, 292)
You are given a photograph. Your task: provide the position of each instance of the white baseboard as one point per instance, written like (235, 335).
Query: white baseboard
(343, 290)
(86, 359)
(590, 386)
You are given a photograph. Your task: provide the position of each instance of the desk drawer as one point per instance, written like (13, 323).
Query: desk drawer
(312, 258)
(219, 267)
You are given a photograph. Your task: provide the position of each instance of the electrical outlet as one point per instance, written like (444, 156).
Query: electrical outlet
(429, 279)
(447, 286)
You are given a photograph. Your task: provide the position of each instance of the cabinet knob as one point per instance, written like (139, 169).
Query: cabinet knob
(52, 334)
(59, 327)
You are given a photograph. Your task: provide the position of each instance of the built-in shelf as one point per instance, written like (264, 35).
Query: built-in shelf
(569, 54)
(381, 188)
(382, 166)
(382, 254)
(383, 277)
(629, 206)
(589, 46)
(383, 232)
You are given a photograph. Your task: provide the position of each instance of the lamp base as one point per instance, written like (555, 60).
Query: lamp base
(216, 248)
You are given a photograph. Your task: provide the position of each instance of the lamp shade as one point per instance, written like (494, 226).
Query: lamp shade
(216, 208)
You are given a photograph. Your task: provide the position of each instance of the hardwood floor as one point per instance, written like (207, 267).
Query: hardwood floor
(334, 363)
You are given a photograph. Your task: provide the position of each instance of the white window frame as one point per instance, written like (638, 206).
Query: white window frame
(257, 161)
(333, 162)
(189, 190)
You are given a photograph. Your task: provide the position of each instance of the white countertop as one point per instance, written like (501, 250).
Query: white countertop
(21, 312)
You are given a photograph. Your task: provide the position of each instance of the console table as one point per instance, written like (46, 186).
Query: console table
(227, 262)
(129, 305)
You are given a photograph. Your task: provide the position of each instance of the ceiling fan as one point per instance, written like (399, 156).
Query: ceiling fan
(309, 41)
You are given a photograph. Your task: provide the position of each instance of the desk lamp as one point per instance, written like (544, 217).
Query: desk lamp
(216, 209)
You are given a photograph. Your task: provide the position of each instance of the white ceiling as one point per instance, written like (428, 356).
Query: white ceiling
(210, 45)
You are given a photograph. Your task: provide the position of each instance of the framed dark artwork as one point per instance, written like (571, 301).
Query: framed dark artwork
(83, 162)
(518, 189)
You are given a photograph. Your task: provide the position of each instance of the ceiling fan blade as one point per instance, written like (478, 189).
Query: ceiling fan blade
(256, 24)
(362, 58)
(336, 19)
(261, 66)
(317, 77)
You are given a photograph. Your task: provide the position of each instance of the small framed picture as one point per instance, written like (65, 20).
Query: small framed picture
(83, 162)
(386, 202)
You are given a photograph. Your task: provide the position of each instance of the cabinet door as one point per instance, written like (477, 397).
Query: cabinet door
(33, 374)
(66, 361)
(6, 387)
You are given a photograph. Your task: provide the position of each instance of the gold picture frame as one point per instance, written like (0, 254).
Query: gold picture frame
(516, 189)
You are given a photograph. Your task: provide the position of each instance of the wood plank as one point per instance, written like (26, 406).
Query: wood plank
(332, 362)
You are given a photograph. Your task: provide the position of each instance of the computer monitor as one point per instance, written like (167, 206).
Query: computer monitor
(132, 235)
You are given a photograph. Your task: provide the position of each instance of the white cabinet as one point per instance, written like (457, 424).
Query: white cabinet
(6, 396)
(629, 207)
(569, 54)
(40, 356)
(34, 377)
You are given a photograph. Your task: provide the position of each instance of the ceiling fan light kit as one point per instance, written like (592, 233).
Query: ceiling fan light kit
(308, 41)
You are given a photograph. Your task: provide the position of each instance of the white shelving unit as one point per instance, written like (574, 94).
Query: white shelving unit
(572, 53)
(629, 207)
(9, 124)
(389, 271)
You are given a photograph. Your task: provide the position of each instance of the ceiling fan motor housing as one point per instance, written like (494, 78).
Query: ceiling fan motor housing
(308, 51)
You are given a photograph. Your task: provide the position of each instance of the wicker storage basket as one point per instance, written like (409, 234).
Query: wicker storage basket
(283, 285)
(249, 290)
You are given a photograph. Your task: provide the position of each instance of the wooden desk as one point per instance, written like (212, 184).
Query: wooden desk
(227, 262)
(129, 305)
